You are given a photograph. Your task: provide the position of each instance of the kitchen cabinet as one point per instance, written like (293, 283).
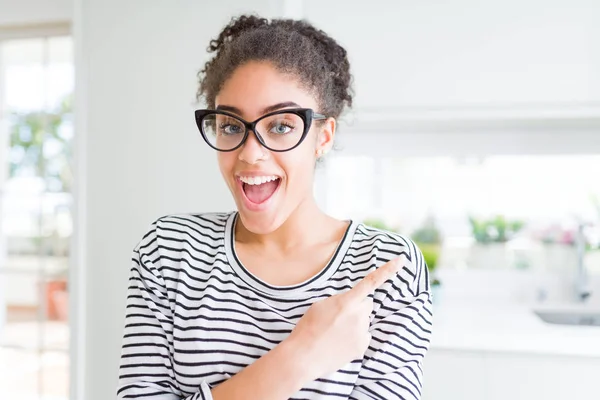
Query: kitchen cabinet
(454, 375)
(465, 375)
(466, 54)
(523, 377)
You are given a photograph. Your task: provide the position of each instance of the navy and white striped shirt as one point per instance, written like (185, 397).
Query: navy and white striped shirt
(196, 316)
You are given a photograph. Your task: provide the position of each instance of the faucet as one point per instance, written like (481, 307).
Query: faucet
(582, 289)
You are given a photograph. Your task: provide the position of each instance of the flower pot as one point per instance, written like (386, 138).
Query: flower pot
(560, 257)
(488, 256)
(61, 304)
(57, 299)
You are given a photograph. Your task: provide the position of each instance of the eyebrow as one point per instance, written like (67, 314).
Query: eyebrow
(265, 110)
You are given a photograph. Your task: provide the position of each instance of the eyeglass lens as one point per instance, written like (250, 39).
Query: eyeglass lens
(279, 131)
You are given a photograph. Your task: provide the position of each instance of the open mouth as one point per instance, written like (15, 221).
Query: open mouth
(259, 189)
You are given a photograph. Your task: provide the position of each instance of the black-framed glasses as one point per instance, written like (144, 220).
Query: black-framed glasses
(280, 131)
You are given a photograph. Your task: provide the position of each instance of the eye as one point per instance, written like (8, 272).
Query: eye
(230, 128)
(281, 128)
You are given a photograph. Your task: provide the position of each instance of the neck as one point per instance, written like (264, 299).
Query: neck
(307, 217)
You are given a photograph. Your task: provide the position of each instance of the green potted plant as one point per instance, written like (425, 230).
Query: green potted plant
(429, 239)
(491, 236)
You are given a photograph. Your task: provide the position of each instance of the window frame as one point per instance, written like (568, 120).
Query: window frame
(44, 31)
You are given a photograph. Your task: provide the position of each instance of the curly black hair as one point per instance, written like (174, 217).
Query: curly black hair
(292, 46)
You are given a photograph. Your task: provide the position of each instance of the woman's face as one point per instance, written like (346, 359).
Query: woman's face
(268, 186)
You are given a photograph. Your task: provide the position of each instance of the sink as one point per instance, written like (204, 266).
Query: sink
(570, 317)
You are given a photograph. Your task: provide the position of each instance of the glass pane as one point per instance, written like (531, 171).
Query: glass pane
(32, 375)
(60, 73)
(19, 371)
(55, 375)
(34, 311)
(39, 109)
(24, 74)
(525, 210)
(19, 311)
(36, 228)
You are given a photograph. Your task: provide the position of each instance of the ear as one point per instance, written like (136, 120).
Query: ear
(325, 137)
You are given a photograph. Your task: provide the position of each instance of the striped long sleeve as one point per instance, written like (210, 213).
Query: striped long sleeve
(196, 316)
(401, 330)
(146, 369)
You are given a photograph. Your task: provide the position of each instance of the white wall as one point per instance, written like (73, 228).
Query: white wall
(139, 153)
(29, 12)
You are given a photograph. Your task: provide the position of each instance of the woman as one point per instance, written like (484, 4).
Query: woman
(271, 301)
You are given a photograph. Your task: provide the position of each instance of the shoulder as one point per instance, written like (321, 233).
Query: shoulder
(384, 246)
(169, 230)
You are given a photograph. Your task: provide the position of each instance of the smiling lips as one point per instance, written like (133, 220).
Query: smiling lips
(260, 188)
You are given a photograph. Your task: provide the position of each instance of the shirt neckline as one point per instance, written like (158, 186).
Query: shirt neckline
(288, 290)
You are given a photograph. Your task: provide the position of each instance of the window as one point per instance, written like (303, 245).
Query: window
(36, 83)
(529, 206)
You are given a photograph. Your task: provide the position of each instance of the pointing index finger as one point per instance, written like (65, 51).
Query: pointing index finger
(373, 280)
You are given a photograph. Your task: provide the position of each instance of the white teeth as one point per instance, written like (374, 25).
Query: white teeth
(257, 180)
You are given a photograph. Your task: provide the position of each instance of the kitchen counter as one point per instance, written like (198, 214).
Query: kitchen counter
(508, 328)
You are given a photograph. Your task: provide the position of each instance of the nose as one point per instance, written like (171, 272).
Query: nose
(252, 151)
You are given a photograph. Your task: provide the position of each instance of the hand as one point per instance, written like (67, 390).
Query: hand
(335, 331)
